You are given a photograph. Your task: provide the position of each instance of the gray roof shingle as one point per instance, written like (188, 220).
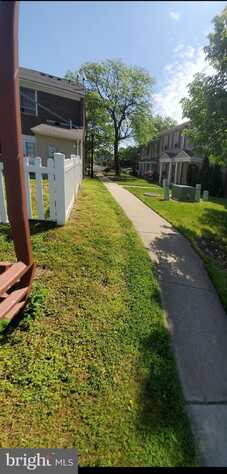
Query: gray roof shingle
(49, 79)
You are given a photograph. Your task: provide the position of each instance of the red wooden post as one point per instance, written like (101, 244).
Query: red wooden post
(10, 131)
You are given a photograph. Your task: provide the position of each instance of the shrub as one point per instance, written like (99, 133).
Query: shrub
(211, 178)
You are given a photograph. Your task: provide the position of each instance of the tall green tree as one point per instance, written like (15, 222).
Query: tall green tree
(97, 122)
(122, 94)
(216, 51)
(206, 105)
(148, 126)
(129, 157)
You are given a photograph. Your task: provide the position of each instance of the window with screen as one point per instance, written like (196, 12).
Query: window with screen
(28, 101)
(29, 147)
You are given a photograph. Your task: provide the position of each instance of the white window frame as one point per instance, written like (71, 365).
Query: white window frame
(54, 151)
(29, 139)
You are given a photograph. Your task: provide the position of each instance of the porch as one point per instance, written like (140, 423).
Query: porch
(175, 168)
(147, 168)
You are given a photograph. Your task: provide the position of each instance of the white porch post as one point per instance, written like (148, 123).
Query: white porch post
(181, 164)
(160, 173)
(169, 172)
(175, 175)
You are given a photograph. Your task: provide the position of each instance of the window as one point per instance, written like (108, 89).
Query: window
(176, 140)
(29, 144)
(51, 150)
(171, 141)
(28, 101)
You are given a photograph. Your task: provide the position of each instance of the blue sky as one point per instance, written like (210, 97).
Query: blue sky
(166, 38)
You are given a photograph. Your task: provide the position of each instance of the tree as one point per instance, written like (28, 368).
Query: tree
(122, 94)
(148, 127)
(163, 123)
(216, 51)
(129, 157)
(98, 124)
(206, 105)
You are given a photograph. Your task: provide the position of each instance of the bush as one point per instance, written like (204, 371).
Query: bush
(211, 178)
(193, 175)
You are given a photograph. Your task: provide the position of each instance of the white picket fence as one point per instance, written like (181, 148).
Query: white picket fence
(50, 189)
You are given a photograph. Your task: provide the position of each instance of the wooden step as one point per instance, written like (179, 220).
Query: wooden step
(9, 303)
(10, 315)
(4, 266)
(11, 276)
(4, 295)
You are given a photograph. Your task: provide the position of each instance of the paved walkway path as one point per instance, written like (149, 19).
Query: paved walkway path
(197, 322)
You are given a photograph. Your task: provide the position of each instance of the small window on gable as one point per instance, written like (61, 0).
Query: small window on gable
(28, 101)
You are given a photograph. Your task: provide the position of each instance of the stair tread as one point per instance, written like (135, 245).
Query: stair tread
(10, 276)
(15, 309)
(8, 304)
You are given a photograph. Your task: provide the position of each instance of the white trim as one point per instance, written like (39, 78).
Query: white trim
(36, 103)
(29, 138)
(148, 161)
(58, 132)
(54, 90)
(165, 158)
(181, 157)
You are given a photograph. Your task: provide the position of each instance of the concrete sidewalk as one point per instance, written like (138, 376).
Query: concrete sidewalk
(197, 322)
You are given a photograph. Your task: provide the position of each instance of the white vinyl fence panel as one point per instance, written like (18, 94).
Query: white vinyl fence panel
(50, 189)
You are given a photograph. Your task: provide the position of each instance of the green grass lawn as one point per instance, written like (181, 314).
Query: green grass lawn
(204, 224)
(90, 366)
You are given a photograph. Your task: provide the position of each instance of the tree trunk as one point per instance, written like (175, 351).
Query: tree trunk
(116, 158)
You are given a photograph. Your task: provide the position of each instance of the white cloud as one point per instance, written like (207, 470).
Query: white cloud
(169, 67)
(174, 15)
(188, 61)
(178, 48)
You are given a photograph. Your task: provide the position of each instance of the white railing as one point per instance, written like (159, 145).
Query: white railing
(50, 190)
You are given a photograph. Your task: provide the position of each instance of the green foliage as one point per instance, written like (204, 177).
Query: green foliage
(216, 184)
(148, 127)
(206, 105)
(216, 51)
(129, 157)
(121, 94)
(211, 178)
(143, 127)
(204, 175)
(207, 109)
(97, 120)
(193, 176)
(163, 123)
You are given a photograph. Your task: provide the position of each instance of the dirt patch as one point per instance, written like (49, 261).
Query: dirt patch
(41, 270)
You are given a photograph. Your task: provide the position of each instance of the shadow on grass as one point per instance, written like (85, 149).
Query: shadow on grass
(215, 218)
(130, 178)
(161, 402)
(36, 227)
